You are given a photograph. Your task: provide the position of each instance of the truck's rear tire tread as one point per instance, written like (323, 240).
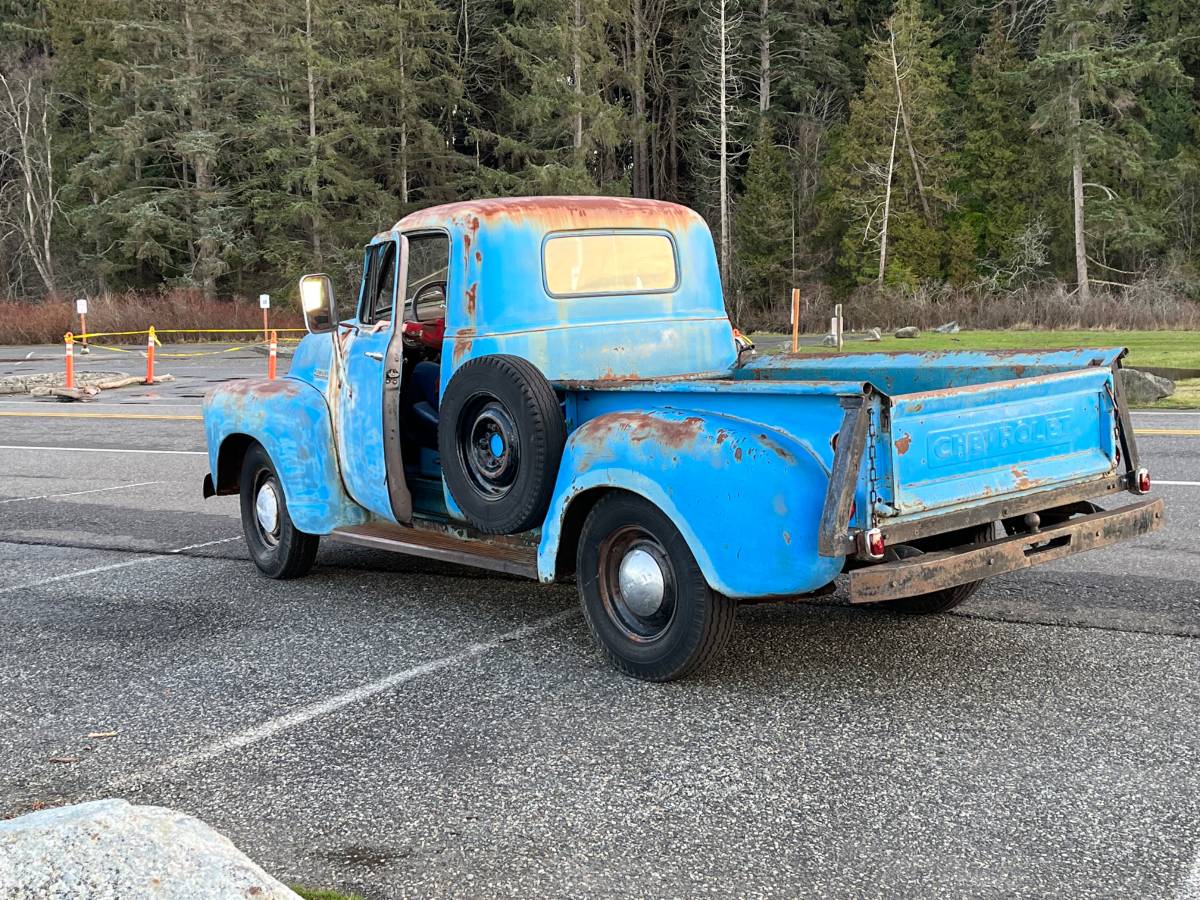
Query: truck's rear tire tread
(705, 617)
(943, 600)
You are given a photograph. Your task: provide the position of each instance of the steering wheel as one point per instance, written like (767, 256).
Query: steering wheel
(424, 330)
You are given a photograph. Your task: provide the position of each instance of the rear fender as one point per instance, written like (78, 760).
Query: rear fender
(747, 498)
(291, 420)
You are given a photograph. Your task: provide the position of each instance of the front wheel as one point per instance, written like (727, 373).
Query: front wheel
(277, 547)
(645, 599)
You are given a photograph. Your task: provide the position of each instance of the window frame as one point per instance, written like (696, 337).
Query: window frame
(602, 232)
(367, 314)
(418, 234)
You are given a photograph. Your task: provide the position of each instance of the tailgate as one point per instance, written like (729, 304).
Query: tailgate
(977, 443)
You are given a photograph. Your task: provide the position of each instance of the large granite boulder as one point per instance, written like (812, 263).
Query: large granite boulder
(112, 849)
(1141, 388)
(908, 331)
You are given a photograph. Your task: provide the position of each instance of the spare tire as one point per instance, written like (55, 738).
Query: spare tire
(501, 436)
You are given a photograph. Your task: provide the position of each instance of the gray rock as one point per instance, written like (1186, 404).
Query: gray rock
(829, 341)
(873, 335)
(1141, 388)
(908, 332)
(22, 384)
(948, 328)
(112, 849)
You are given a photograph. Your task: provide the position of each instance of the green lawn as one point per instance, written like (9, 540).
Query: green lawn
(1178, 349)
(322, 894)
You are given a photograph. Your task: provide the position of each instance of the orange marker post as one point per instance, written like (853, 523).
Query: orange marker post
(69, 340)
(150, 341)
(795, 320)
(271, 354)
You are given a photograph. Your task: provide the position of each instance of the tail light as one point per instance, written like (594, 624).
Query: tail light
(871, 544)
(1142, 477)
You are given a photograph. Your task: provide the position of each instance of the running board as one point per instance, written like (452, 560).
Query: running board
(496, 556)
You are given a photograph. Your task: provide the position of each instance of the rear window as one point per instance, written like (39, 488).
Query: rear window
(583, 264)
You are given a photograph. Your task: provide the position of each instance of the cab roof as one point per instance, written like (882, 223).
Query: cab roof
(555, 213)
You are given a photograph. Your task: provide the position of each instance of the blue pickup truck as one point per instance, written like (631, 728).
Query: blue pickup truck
(551, 388)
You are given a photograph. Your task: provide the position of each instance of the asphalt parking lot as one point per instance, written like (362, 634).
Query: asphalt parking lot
(398, 727)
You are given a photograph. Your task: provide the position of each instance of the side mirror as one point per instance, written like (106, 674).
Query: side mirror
(316, 297)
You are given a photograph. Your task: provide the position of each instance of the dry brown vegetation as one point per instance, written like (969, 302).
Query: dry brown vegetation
(46, 322)
(1149, 305)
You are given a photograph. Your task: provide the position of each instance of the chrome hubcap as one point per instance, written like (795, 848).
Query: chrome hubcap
(266, 508)
(641, 581)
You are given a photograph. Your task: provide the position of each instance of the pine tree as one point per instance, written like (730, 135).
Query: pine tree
(1087, 81)
(763, 229)
(999, 172)
(561, 99)
(890, 169)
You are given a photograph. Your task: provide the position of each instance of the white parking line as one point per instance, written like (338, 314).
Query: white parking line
(1189, 888)
(1158, 481)
(274, 726)
(105, 450)
(118, 487)
(141, 560)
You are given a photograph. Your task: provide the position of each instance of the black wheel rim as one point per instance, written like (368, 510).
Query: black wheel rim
(637, 609)
(266, 495)
(488, 447)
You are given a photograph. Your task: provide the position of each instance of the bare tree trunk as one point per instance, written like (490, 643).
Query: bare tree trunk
(641, 155)
(912, 152)
(205, 259)
(101, 280)
(764, 58)
(403, 105)
(26, 142)
(577, 75)
(726, 245)
(313, 148)
(1076, 126)
(887, 200)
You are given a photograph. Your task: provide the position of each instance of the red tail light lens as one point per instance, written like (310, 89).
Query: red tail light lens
(876, 543)
(1143, 481)
(872, 545)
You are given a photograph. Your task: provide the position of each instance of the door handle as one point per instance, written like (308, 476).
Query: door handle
(371, 354)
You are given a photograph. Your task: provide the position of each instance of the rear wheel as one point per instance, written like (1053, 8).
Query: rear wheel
(947, 599)
(645, 599)
(277, 547)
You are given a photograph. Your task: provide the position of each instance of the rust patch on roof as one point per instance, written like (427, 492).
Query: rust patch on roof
(558, 212)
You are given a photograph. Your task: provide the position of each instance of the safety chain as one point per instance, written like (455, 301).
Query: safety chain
(872, 471)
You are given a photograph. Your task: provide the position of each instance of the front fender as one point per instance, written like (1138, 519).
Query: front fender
(291, 420)
(747, 498)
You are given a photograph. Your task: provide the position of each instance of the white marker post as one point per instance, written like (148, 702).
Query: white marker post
(264, 303)
(81, 308)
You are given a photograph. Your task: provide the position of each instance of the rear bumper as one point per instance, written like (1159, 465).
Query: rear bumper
(936, 571)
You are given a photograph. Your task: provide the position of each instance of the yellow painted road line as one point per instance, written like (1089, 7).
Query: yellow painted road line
(1167, 432)
(97, 415)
